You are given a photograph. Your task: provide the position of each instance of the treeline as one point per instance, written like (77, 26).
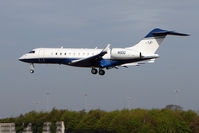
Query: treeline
(119, 121)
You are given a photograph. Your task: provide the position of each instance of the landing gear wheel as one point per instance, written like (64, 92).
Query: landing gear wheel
(31, 71)
(101, 72)
(94, 71)
(31, 68)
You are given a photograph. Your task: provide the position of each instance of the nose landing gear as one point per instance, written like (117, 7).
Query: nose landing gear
(31, 71)
(31, 68)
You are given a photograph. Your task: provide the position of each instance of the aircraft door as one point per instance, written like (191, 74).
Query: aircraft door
(41, 55)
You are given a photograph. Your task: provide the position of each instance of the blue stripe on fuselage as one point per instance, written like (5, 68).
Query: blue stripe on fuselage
(66, 61)
(49, 60)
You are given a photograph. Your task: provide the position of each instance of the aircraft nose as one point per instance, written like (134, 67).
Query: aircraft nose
(21, 58)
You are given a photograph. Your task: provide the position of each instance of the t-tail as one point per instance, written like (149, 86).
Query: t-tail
(152, 41)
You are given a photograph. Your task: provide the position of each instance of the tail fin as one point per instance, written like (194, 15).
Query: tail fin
(152, 41)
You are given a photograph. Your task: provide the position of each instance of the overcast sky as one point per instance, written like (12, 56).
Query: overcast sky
(28, 24)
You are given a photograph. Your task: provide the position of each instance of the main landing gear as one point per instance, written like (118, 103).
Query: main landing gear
(94, 71)
(31, 68)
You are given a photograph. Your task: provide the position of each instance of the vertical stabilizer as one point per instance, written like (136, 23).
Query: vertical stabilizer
(152, 41)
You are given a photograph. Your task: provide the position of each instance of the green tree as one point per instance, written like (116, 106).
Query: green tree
(103, 124)
(72, 119)
(89, 122)
(194, 125)
(119, 121)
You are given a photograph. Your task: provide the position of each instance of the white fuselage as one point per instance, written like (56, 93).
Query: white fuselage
(115, 56)
(61, 53)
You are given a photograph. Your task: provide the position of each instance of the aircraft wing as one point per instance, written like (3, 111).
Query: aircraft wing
(90, 60)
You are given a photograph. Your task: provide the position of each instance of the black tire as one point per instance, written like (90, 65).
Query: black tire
(101, 72)
(94, 71)
(31, 71)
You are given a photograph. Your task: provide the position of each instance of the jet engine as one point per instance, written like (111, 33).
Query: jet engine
(121, 53)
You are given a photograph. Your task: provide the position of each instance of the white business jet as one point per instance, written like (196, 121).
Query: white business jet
(107, 58)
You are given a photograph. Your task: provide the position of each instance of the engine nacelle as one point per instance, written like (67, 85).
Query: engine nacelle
(121, 53)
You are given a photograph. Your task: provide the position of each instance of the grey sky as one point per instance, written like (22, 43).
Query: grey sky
(28, 24)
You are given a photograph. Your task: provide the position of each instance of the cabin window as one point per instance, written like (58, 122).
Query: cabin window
(69, 53)
(79, 54)
(55, 53)
(87, 53)
(65, 53)
(60, 53)
(83, 53)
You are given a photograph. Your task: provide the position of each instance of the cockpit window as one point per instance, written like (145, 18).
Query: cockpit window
(32, 52)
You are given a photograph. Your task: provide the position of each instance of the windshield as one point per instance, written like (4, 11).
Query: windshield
(31, 52)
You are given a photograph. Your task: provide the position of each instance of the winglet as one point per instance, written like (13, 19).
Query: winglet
(106, 48)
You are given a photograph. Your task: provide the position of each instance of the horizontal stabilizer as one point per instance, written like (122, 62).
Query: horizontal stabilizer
(159, 32)
(169, 33)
